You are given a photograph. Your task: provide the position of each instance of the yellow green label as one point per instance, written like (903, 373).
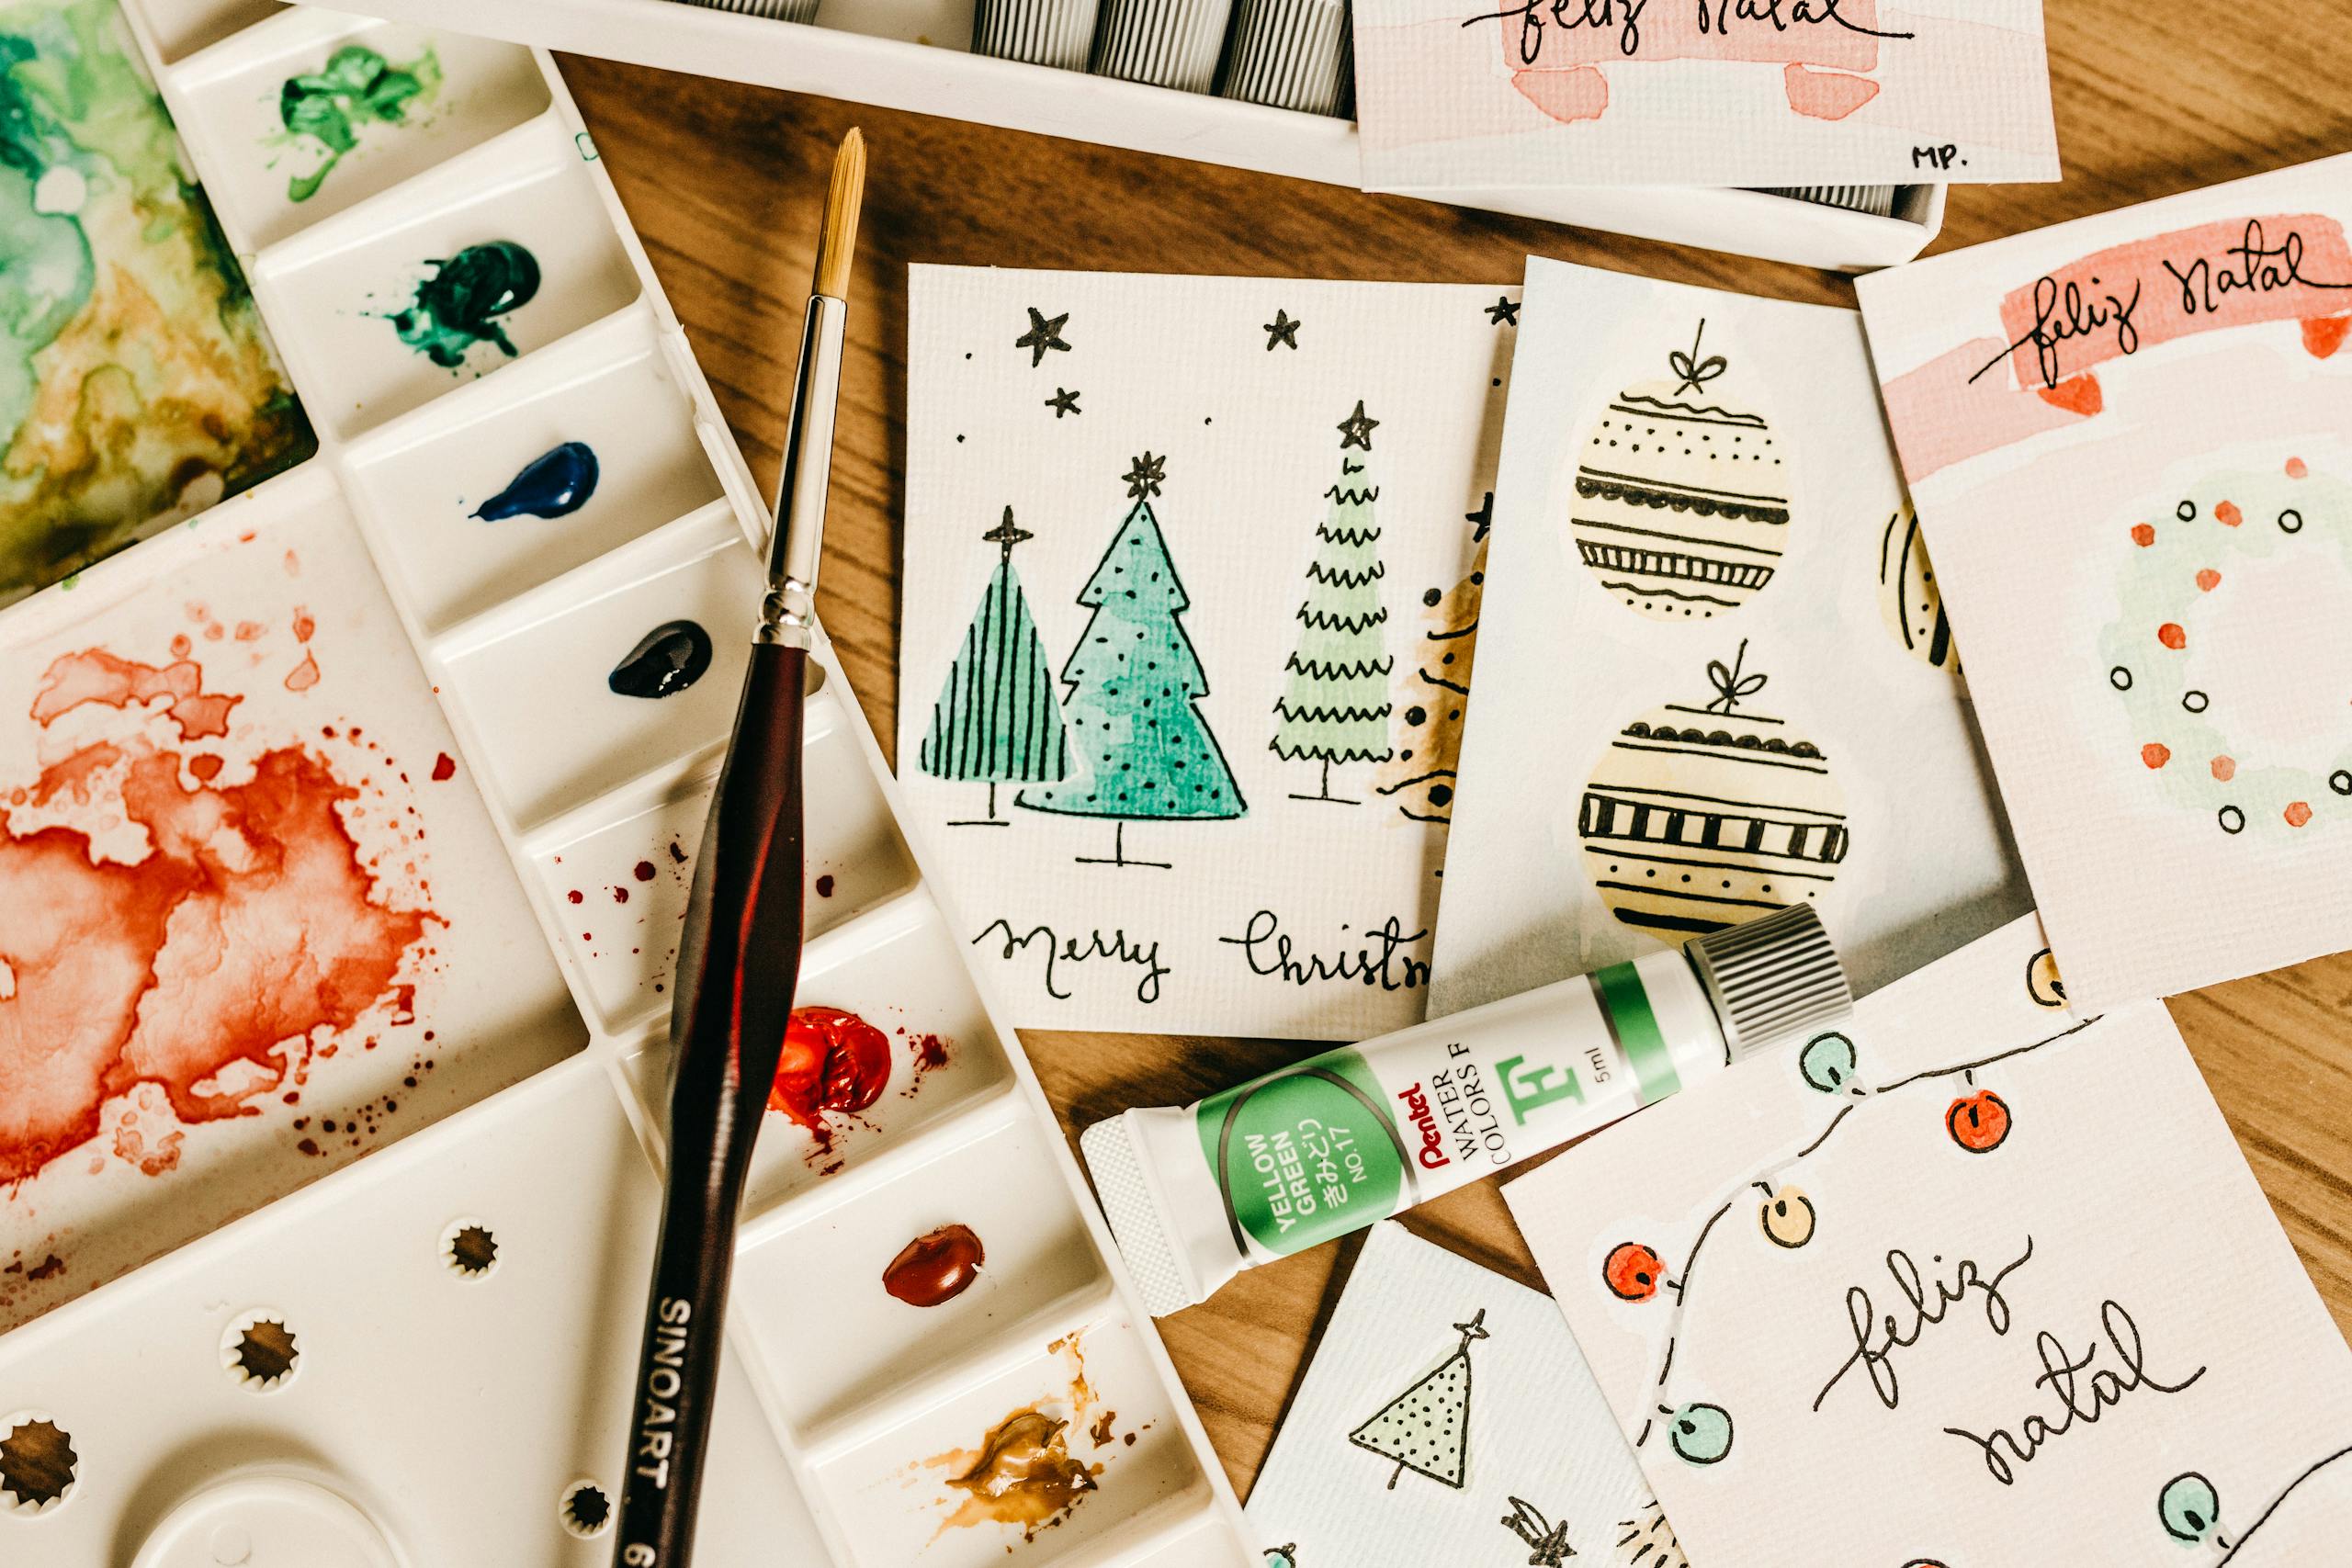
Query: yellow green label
(1305, 1153)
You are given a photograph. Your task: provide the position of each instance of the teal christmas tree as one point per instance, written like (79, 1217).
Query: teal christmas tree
(996, 720)
(1426, 1429)
(1145, 752)
(1335, 702)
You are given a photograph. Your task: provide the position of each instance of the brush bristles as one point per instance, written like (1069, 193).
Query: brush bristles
(837, 244)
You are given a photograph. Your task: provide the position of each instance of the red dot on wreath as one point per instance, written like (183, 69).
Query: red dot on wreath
(2228, 515)
(2209, 580)
(2156, 753)
(2171, 635)
(2143, 534)
(1633, 1272)
(1980, 1124)
(2298, 813)
(2226, 768)
(2296, 468)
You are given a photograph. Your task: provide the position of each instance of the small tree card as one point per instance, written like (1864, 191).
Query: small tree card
(1469, 95)
(1970, 1283)
(2131, 439)
(1448, 1419)
(1192, 577)
(1717, 677)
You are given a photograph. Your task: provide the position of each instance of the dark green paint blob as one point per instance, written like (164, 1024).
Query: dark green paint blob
(457, 307)
(355, 86)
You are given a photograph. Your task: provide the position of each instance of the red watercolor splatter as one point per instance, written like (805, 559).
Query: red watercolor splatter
(2296, 468)
(2171, 635)
(2228, 515)
(833, 1061)
(181, 647)
(2156, 753)
(620, 895)
(2143, 534)
(2226, 768)
(644, 871)
(303, 625)
(206, 769)
(2298, 813)
(825, 886)
(576, 895)
(304, 676)
(2209, 580)
(246, 923)
(445, 768)
(2323, 335)
(248, 630)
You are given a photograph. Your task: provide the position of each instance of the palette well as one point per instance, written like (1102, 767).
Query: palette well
(498, 625)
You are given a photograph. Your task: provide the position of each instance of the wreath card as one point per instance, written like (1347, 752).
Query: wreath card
(1969, 1282)
(2131, 442)
(1473, 95)
(1192, 589)
(1447, 1419)
(1716, 677)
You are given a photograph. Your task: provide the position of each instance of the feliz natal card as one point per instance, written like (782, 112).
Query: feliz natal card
(1473, 95)
(1968, 1284)
(1447, 1419)
(1716, 678)
(2129, 439)
(1193, 572)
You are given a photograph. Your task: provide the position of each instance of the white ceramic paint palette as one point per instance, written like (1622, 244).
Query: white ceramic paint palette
(329, 825)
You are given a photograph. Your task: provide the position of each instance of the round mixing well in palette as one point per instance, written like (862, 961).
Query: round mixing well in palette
(936, 1266)
(666, 660)
(833, 1061)
(556, 483)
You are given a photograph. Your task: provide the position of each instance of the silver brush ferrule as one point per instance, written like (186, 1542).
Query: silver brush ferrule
(789, 614)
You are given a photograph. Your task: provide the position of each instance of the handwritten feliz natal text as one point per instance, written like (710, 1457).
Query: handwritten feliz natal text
(2086, 1386)
(1719, 18)
(2079, 310)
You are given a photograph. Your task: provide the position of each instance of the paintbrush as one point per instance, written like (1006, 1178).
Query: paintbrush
(739, 960)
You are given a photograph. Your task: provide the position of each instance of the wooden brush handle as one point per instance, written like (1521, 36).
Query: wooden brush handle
(738, 964)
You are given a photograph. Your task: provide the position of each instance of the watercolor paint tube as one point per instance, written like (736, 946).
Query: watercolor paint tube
(1876, 200)
(1169, 43)
(1059, 33)
(1291, 54)
(1333, 1144)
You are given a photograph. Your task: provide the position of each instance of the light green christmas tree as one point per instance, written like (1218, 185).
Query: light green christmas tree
(996, 720)
(1426, 1429)
(1335, 702)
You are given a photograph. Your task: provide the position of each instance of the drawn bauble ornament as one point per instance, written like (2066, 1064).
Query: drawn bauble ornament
(1908, 600)
(1682, 499)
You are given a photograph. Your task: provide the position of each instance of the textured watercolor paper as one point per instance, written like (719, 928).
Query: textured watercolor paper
(1448, 1417)
(1193, 573)
(1472, 95)
(1717, 678)
(2131, 442)
(1968, 1283)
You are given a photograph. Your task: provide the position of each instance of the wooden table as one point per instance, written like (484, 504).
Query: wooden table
(725, 184)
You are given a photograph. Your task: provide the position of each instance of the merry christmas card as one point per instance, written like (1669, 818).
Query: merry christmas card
(2130, 443)
(1193, 572)
(1448, 1419)
(1969, 1283)
(1716, 678)
(1473, 95)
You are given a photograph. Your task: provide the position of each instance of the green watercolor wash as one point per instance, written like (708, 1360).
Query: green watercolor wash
(355, 87)
(460, 305)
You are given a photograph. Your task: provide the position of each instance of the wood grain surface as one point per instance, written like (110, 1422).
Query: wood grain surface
(725, 184)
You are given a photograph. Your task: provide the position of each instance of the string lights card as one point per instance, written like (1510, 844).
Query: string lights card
(1447, 1417)
(1192, 576)
(1717, 676)
(2128, 436)
(1971, 1281)
(1472, 95)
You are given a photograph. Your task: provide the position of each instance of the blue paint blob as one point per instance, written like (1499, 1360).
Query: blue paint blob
(556, 483)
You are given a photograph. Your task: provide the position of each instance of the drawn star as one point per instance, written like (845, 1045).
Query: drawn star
(1483, 518)
(1063, 401)
(1042, 335)
(1504, 312)
(1145, 475)
(1283, 329)
(1357, 428)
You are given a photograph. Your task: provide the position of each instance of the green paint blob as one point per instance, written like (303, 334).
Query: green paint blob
(355, 86)
(457, 307)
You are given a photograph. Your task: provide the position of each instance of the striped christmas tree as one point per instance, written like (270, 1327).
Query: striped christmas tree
(996, 720)
(1335, 702)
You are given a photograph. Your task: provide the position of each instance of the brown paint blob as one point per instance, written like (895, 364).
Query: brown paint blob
(1023, 1475)
(936, 1266)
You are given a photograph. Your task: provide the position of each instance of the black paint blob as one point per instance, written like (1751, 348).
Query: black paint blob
(556, 483)
(665, 661)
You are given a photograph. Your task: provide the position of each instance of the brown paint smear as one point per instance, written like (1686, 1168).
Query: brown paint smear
(1021, 1475)
(936, 1266)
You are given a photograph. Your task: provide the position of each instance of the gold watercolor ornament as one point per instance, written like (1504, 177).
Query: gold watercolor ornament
(1682, 499)
(1700, 818)
(1786, 1214)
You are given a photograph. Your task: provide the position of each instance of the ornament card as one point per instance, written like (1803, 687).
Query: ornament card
(1193, 571)
(2131, 442)
(1472, 95)
(1716, 676)
(1969, 1282)
(1447, 1419)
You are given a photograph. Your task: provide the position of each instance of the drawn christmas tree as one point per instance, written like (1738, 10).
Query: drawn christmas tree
(1426, 1429)
(1133, 681)
(996, 720)
(1334, 706)
(1419, 777)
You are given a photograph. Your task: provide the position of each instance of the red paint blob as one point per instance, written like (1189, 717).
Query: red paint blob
(2226, 768)
(1633, 1272)
(936, 1266)
(304, 676)
(576, 895)
(2296, 468)
(620, 895)
(833, 1061)
(205, 768)
(825, 886)
(1979, 1123)
(2172, 635)
(2143, 535)
(2228, 515)
(445, 768)
(2209, 580)
(645, 871)
(2298, 813)
(2156, 754)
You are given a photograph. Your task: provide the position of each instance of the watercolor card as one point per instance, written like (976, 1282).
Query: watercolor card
(1191, 588)
(1472, 95)
(1717, 677)
(1448, 1417)
(1971, 1281)
(2131, 442)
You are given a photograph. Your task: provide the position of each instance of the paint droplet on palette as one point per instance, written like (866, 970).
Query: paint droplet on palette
(2156, 754)
(666, 660)
(2298, 813)
(457, 307)
(677, 854)
(2209, 580)
(2226, 768)
(2143, 534)
(2228, 515)
(825, 886)
(445, 768)
(556, 483)
(620, 895)
(2296, 468)
(833, 1060)
(303, 625)
(644, 871)
(2172, 635)
(303, 676)
(181, 647)
(936, 1266)
(577, 897)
